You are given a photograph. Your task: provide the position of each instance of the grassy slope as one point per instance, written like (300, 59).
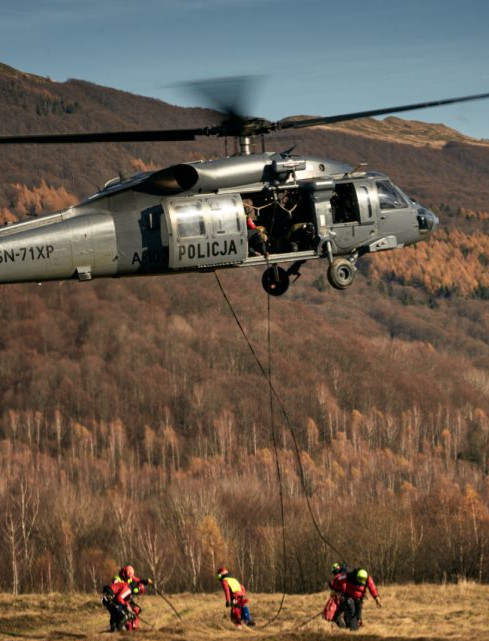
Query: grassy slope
(413, 612)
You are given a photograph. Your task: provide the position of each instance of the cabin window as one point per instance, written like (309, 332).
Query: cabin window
(225, 216)
(190, 224)
(228, 224)
(389, 196)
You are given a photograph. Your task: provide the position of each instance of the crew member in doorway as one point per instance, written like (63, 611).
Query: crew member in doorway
(301, 237)
(353, 586)
(235, 592)
(257, 237)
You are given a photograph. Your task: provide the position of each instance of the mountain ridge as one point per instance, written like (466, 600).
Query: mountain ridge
(411, 132)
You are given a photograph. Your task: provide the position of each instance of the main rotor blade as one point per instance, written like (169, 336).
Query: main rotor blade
(234, 126)
(224, 94)
(230, 95)
(311, 122)
(108, 136)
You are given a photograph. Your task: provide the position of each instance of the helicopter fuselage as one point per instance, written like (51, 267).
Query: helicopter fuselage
(196, 217)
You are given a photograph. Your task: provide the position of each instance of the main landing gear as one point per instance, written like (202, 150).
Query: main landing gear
(341, 274)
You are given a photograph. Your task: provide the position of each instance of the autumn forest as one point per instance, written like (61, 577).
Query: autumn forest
(136, 423)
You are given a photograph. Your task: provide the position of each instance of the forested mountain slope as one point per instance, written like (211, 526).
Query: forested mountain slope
(135, 423)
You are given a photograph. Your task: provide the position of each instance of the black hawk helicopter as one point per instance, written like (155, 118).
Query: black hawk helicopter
(249, 209)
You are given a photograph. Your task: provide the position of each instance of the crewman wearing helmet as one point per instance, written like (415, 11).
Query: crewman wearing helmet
(235, 592)
(137, 585)
(339, 568)
(333, 608)
(353, 586)
(133, 585)
(257, 236)
(116, 597)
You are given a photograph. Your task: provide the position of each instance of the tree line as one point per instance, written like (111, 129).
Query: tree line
(389, 493)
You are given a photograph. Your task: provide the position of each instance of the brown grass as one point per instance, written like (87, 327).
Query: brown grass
(449, 612)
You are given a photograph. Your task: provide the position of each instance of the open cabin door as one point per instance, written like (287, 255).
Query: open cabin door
(353, 216)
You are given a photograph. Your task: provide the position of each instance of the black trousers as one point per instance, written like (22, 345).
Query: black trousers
(353, 612)
(117, 616)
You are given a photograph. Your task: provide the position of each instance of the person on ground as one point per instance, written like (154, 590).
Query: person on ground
(353, 587)
(118, 598)
(137, 585)
(333, 608)
(235, 592)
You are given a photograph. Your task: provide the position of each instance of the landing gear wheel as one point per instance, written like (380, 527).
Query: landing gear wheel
(341, 273)
(275, 281)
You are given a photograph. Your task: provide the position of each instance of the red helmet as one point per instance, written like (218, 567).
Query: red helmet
(127, 572)
(222, 572)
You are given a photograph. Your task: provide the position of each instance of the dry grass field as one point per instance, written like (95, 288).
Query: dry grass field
(449, 612)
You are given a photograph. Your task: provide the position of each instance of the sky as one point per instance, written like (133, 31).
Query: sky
(314, 57)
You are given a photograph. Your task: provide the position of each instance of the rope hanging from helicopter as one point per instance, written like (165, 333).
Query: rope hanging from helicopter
(279, 471)
(273, 394)
(274, 438)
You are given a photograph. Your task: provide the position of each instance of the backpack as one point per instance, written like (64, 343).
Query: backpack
(331, 608)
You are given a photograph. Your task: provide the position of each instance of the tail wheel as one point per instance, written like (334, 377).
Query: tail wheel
(275, 281)
(341, 273)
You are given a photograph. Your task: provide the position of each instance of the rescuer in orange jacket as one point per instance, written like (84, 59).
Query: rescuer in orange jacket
(235, 598)
(353, 586)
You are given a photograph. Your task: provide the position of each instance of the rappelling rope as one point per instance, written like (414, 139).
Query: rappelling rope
(167, 601)
(275, 394)
(301, 625)
(279, 472)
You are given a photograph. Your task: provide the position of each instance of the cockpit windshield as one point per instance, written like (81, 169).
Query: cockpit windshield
(389, 196)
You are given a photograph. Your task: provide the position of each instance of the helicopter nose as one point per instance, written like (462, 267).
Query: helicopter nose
(427, 221)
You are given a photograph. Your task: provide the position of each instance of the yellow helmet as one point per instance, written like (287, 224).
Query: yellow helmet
(362, 576)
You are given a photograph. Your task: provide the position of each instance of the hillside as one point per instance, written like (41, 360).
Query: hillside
(407, 132)
(135, 423)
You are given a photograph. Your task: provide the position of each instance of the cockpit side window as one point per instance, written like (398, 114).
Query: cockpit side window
(389, 196)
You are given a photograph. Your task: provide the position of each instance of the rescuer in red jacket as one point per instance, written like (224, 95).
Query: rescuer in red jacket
(333, 608)
(235, 598)
(137, 585)
(118, 599)
(353, 586)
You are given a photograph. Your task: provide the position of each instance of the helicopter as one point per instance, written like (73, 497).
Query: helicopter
(277, 210)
